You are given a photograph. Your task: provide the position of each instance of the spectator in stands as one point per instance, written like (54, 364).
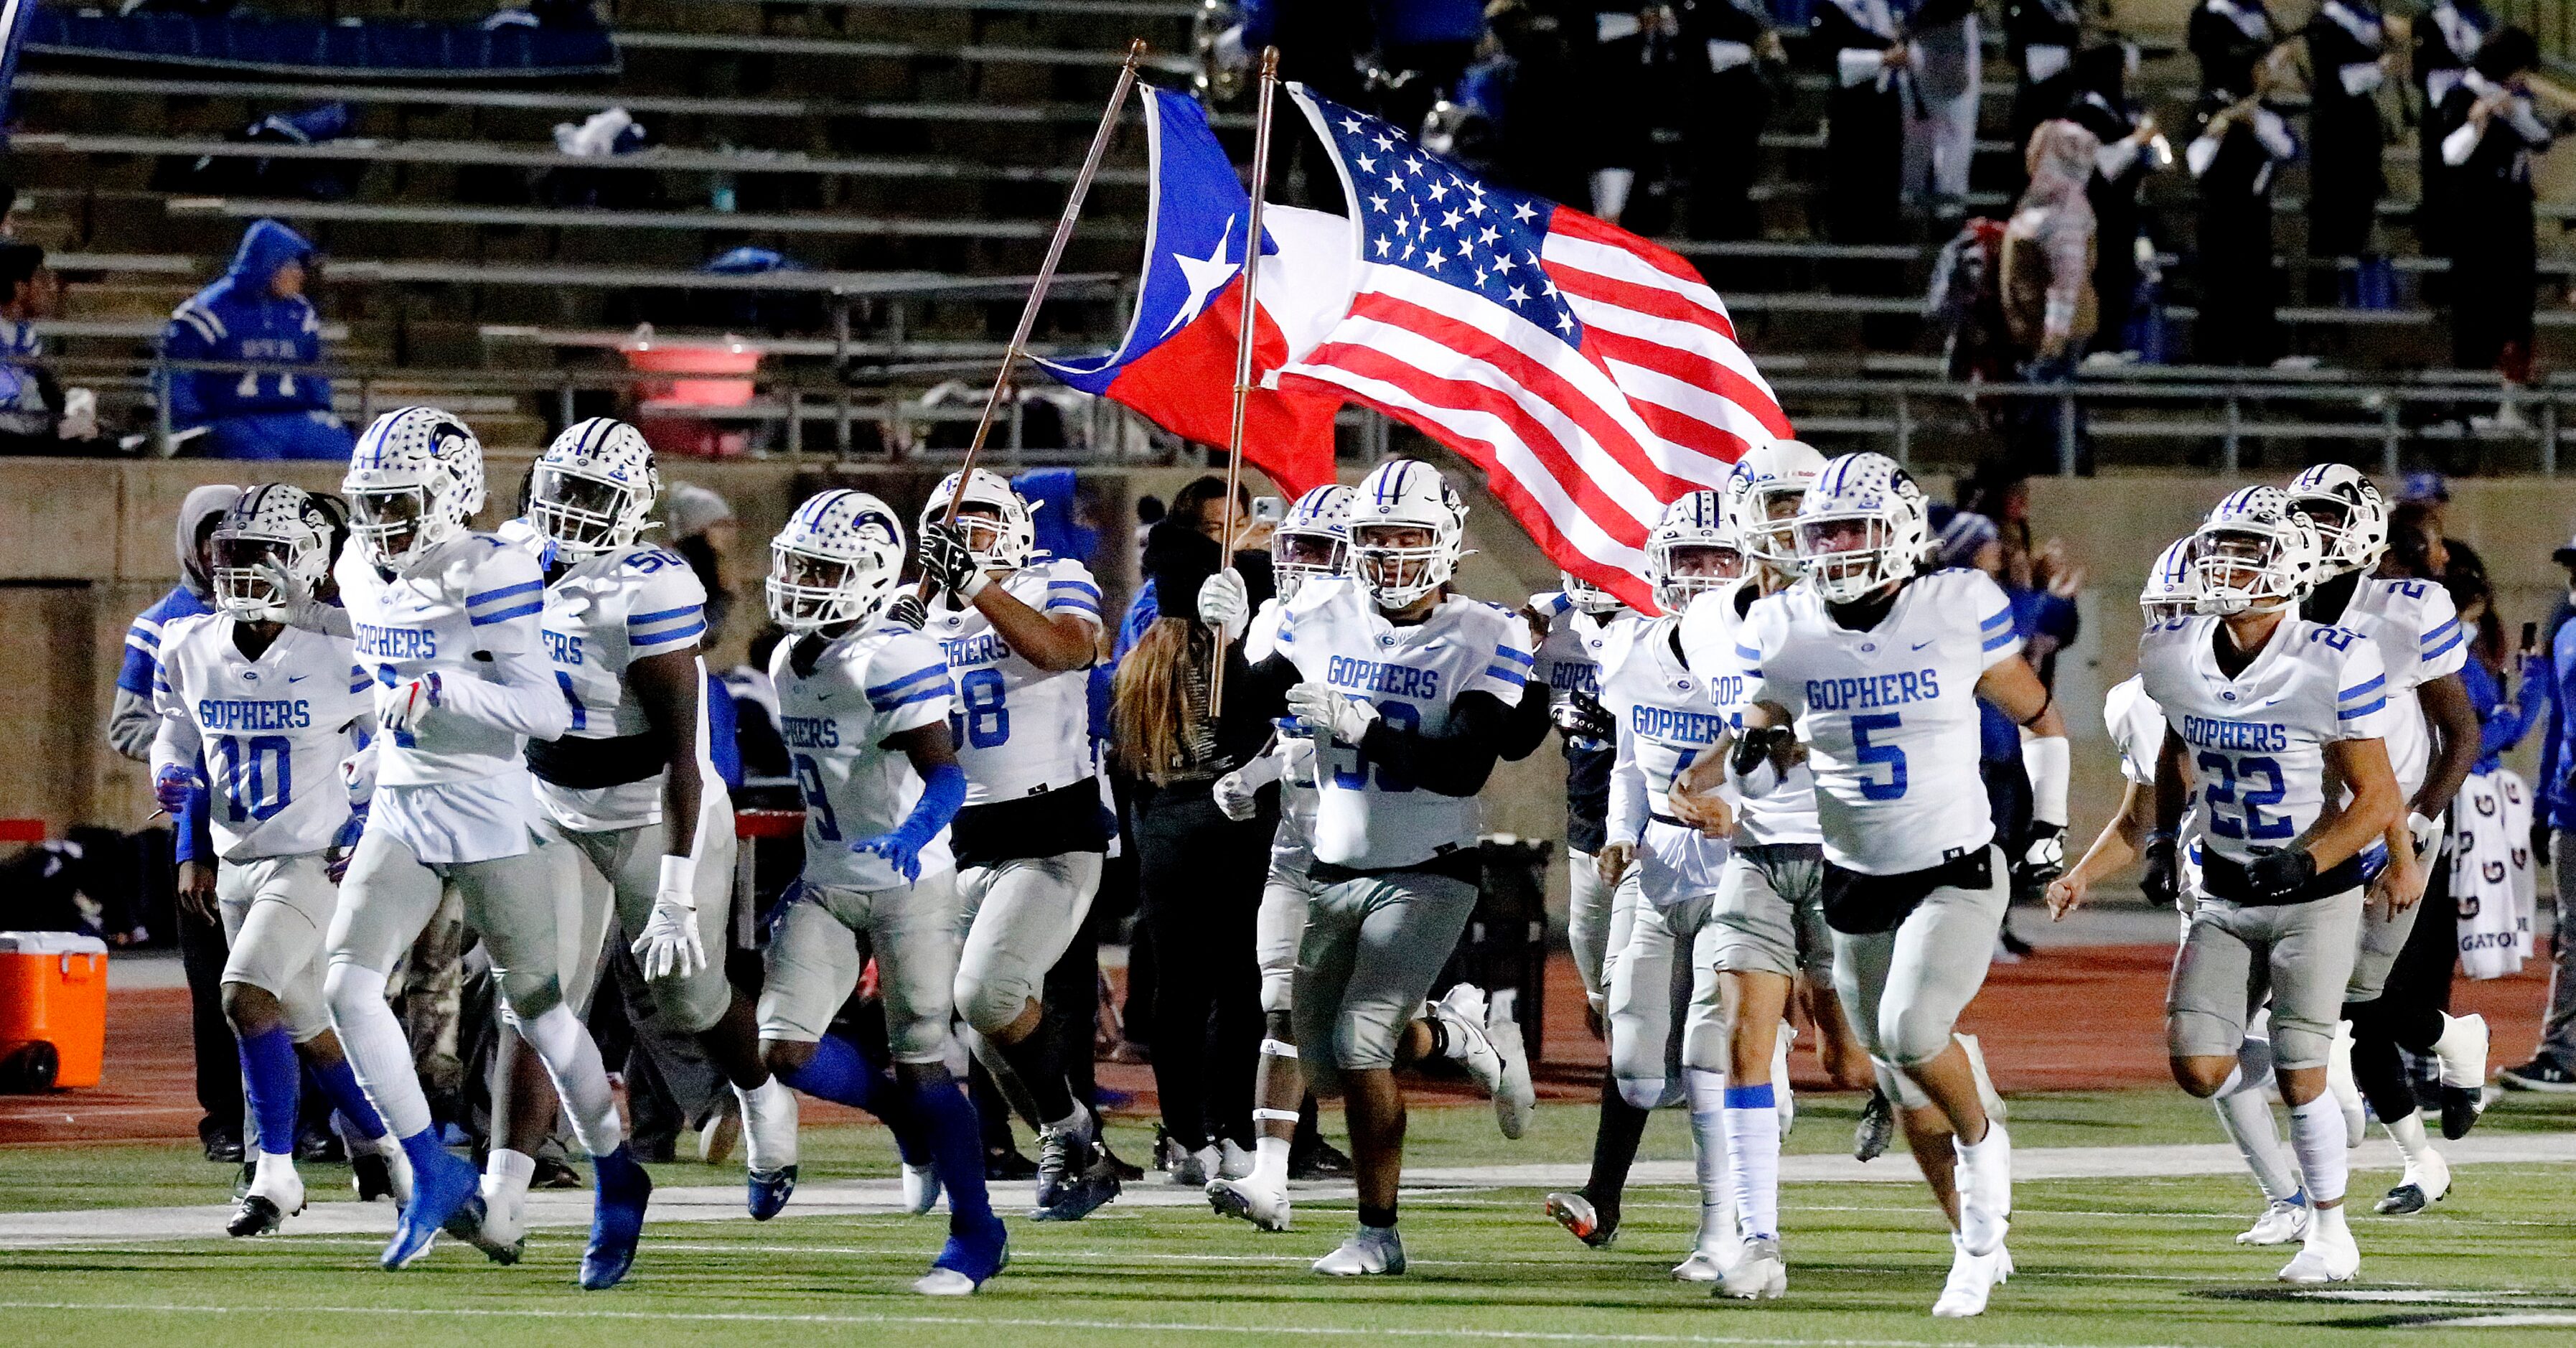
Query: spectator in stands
(2047, 282)
(37, 414)
(2446, 39)
(2230, 38)
(702, 529)
(2347, 50)
(1866, 59)
(1726, 113)
(2490, 132)
(1940, 105)
(1319, 42)
(2042, 36)
(256, 313)
(2241, 146)
(1528, 93)
(1636, 71)
(2131, 149)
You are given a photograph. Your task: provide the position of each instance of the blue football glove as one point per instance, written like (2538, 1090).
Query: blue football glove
(344, 845)
(175, 784)
(899, 848)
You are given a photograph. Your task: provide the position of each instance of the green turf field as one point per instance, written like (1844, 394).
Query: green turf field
(2111, 1262)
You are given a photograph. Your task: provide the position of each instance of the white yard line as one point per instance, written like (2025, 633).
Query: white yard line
(847, 1198)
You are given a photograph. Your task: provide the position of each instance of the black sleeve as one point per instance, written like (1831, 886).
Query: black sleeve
(1527, 729)
(1454, 762)
(1255, 694)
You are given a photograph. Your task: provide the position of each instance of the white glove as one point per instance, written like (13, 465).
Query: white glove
(1324, 708)
(1236, 790)
(1223, 604)
(400, 709)
(669, 947)
(80, 415)
(302, 609)
(358, 773)
(2427, 834)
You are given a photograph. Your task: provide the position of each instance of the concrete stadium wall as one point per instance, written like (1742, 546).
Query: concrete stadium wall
(103, 530)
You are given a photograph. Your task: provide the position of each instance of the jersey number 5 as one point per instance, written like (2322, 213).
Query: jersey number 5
(1870, 787)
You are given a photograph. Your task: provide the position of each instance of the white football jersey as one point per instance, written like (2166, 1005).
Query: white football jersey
(473, 594)
(2418, 632)
(2257, 741)
(1889, 716)
(1667, 721)
(866, 686)
(601, 615)
(1021, 730)
(2137, 728)
(1366, 818)
(1293, 846)
(272, 731)
(1786, 812)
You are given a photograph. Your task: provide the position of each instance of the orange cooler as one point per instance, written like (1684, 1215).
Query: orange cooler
(53, 1009)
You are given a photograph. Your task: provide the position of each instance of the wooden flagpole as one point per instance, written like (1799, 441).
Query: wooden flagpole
(1243, 340)
(1046, 277)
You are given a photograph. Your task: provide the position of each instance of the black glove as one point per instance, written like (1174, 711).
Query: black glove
(2043, 859)
(2277, 875)
(2539, 844)
(1752, 746)
(1581, 717)
(2162, 880)
(946, 559)
(907, 609)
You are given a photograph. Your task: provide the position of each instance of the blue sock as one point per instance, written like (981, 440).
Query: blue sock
(425, 1153)
(1756, 1096)
(341, 1085)
(615, 1170)
(275, 1082)
(842, 1072)
(954, 1140)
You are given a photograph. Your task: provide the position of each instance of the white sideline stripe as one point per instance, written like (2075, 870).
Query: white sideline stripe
(1014, 1322)
(852, 1198)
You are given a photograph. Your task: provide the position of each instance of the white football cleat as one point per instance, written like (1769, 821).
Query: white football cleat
(1985, 1189)
(2426, 1181)
(2341, 1085)
(1972, 1279)
(2329, 1255)
(920, 1188)
(1370, 1252)
(2280, 1224)
(1759, 1274)
(505, 1228)
(1462, 1016)
(1233, 1162)
(1266, 1208)
(944, 1282)
(2463, 1051)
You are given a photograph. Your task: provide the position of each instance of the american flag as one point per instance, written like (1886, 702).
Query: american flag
(1592, 375)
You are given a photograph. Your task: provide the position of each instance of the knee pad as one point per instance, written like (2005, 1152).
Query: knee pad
(1648, 1092)
(1278, 989)
(1896, 1086)
(989, 1004)
(1910, 1038)
(347, 986)
(528, 994)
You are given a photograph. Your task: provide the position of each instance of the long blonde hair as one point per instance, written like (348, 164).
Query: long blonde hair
(1159, 708)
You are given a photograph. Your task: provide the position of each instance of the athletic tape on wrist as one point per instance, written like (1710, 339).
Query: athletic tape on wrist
(1278, 1048)
(1275, 1116)
(677, 876)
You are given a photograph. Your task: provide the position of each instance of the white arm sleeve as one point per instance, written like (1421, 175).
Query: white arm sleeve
(517, 695)
(175, 742)
(1628, 804)
(2050, 761)
(2461, 143)
(2198, 155)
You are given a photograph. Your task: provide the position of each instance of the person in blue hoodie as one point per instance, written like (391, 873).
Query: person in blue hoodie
(255, 312)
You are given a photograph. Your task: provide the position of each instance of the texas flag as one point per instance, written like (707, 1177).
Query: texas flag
(1176, 363)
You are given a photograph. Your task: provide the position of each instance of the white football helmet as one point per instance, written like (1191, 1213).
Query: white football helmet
(1586, 596)
(837, 561)
(1403, 494)
(994, 519)
(594, 487)
(2255, 554)
(1314, 541)
(414, 480)
(1862, 526)
(1694, 549)
(2348, 513)
(1762, 497)
(280, 525)
(2173, 585)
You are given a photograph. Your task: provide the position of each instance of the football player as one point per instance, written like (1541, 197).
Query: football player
(1667, 1022)
(1411, 693)
(2432, 744)
(1877, 668)
(1312, 546)
(449, 621)
(272, 710)
(2269, 712)
(1020, 632)
(864, 704)
(622, 625)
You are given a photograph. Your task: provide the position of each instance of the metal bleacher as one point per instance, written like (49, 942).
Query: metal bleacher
(910, 156)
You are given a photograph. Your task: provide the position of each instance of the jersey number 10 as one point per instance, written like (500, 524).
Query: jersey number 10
(254, 775)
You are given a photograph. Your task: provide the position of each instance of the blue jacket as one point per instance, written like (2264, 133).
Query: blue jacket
(237, 319)
(2558, 752)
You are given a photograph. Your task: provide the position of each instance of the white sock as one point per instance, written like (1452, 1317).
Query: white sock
(2317, 1136)
(274, 1172)
(507, 1174)
(378, 1050)
(2408, 1134)
(2245, 1115)
(1707, 1094)
(1270, 1161)
(1753, 1145)
(2328, 1222)
(564, 1045)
